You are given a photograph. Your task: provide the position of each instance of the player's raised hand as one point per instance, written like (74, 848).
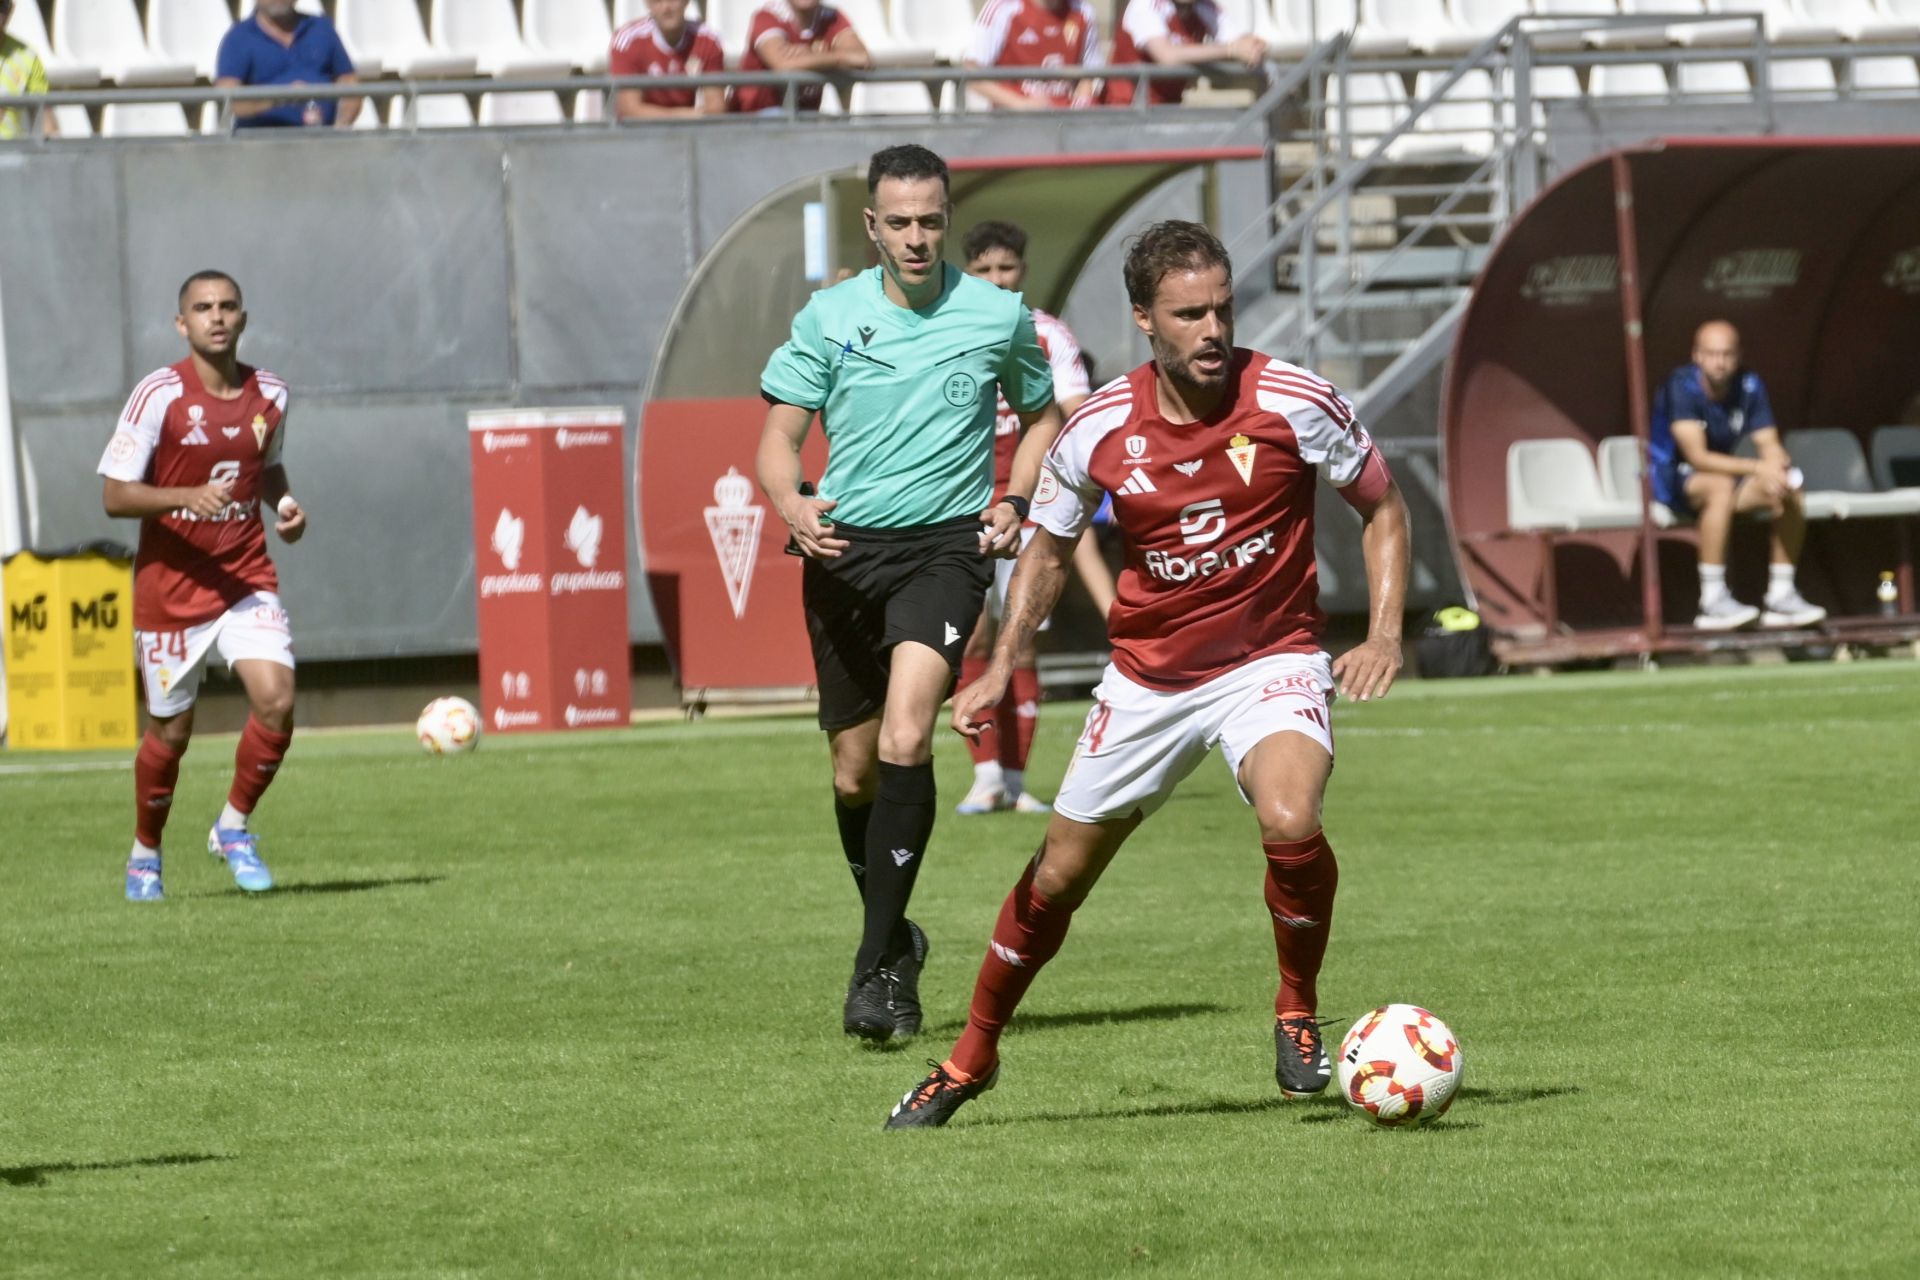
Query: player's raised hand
(292, 524)
(973, 706)
(210, 499)
(1368, 669)
(811, 533)
(1000, 532)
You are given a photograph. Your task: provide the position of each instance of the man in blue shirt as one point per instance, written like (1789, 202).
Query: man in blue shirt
(1700, 415)
(277, 45)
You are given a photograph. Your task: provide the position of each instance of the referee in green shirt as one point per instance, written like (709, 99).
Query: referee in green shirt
(902, 363)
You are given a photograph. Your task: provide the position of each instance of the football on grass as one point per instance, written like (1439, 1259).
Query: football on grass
(448, 726)
(1400, 1066)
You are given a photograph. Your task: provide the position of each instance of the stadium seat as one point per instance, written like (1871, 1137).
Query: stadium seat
(432, 111)
(576, 30)
(1652, 36)
(1297, 22)
(1423, 24)
(1628, 80)
(1465, 122)
(589, 107)
(1716, 80)
(1786, 23)
(30, 29)
(106, 34)
(391, 34)
(1575, 36)
(730, 18)
(1369, 103)
(869, 19)
(143, 120)
(944, 26)
(1896, 458)
(1838, 483)
(541, 106)
(1471, 21)
(1863, 20)
(1885, 74)
(1552, 484)
(890, 98)
(489, 32)
(188, 31)
(1811, 77)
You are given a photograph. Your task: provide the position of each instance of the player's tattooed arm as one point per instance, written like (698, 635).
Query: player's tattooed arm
(1368, 669)
(1037, 582)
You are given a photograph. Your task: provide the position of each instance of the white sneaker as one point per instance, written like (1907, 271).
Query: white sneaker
(1791, 609)
(985, 797)
(1724, 614)
(1027, 802)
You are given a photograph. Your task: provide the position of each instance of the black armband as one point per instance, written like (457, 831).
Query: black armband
(1019, 504)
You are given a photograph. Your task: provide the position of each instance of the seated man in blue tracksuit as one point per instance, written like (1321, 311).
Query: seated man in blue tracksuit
(1700, 413)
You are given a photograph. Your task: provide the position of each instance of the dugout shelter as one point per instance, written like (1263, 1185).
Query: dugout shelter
(1811, 247)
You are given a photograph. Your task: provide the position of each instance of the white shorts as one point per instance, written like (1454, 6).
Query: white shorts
(1138, 744)
(1003, 578)
(172, 662)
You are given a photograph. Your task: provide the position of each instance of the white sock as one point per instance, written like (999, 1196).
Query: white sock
(1713, 584)
(1779, 580)
(143, 854)
(987, 774)
(1015, 781)
(231, 819)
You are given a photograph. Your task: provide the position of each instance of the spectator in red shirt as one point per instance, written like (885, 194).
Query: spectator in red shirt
(665, 43)
(797, 35)
(1178, 33)
(1036, 33)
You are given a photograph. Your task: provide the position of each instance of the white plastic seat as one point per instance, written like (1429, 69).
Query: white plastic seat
(872, 98)
(1642, 80)
(1785, 23)
(1887, 73)
(30, 29)
(1575, 36)
(1838, 483)
(870, 23)
(577, 30)
(1468, 22)
(1654, 35)
(1423, 24)
(1716, 79)
(535, 107)
(1466, 121)
(1299, 22)
(589, 107)
(189, 31)
(106, 34)
(731, 19)
(1812, 77)
(1896, 457)
(1552, 484)
(488, 32)
(432, 111)
(944, 26)
(1863, 20)
(143, 120)
(390, 33)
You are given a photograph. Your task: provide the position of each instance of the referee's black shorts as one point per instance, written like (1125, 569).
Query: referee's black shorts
(925, 584)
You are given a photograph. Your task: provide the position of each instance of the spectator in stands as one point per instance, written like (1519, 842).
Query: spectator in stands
(1700, 415)
(665, 43)
(797, 35)
(21, 73)
(1036, 33)
(275, 44)
(1178, 33)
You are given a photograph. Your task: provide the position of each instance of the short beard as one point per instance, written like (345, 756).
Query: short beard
(1183, 372)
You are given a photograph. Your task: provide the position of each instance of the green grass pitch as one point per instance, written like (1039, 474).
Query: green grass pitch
(569, 1007)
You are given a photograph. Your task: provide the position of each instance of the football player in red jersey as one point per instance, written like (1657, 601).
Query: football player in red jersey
(196, 454)
(1211, 453)
(666, 43)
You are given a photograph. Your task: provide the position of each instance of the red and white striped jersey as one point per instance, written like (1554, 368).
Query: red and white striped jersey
(1218, 514)
(174, 434)
(1203, 22)
(1069, 383)
(639, 50)
(1035, 33)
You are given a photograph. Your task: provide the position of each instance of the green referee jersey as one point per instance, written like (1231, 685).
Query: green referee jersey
(907, 396)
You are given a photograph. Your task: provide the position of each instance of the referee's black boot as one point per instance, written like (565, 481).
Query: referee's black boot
(906, 986)
(869, 1008)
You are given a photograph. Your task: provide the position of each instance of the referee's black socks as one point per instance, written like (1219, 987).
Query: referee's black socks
(852, 822)
(897, 832)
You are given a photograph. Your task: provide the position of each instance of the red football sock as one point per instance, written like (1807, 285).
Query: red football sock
(982, 748)
(255, 761)
(156, 767)
(1016, 717)
(1028, 934)
(1301, 878)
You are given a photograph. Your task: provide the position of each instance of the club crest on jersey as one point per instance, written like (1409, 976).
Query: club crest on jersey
(1240, 452)
(1136, 447)
(260, 429)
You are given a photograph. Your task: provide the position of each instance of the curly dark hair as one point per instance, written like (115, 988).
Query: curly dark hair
(1166, 247)
(994, 235)
(909, 162)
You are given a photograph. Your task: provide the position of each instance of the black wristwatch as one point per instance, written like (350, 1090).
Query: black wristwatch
(1019, 504)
